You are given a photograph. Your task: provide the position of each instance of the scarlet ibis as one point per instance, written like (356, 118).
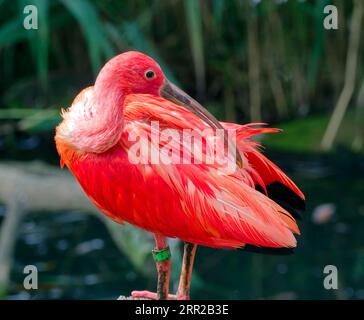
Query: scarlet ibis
(253, 207)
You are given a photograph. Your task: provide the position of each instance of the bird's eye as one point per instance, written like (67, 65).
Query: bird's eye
(149, 74)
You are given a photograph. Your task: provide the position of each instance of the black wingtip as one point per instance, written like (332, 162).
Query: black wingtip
(286, 198)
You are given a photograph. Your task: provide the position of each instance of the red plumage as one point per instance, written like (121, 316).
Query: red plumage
(193, 202)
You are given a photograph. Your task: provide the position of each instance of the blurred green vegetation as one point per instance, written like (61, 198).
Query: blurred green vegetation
(251, 60)
(303, 135)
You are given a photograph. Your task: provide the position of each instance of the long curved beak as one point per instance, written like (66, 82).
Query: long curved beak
(171, 92)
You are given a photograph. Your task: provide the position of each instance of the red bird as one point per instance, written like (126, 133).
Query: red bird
(131, 106)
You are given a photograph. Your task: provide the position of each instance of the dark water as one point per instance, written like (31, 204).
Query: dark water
(77, 259)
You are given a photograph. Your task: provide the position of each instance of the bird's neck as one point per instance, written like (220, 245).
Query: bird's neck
(94, 123)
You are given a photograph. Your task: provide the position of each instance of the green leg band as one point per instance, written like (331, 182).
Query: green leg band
(162, 254)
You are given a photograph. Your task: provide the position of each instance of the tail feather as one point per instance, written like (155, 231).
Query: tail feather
(267, 170)
(269, 179)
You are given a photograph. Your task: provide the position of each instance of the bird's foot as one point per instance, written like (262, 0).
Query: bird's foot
(182, 297)
(148, 295)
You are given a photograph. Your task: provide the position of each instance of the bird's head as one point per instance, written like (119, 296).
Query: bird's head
(131, 72)
(136, 73)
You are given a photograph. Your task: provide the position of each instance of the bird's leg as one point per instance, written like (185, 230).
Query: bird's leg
(189, 252)
(161, 256)
(162, 259)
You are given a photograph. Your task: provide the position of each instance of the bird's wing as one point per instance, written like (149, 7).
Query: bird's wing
(276, 183)
(216, 209)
